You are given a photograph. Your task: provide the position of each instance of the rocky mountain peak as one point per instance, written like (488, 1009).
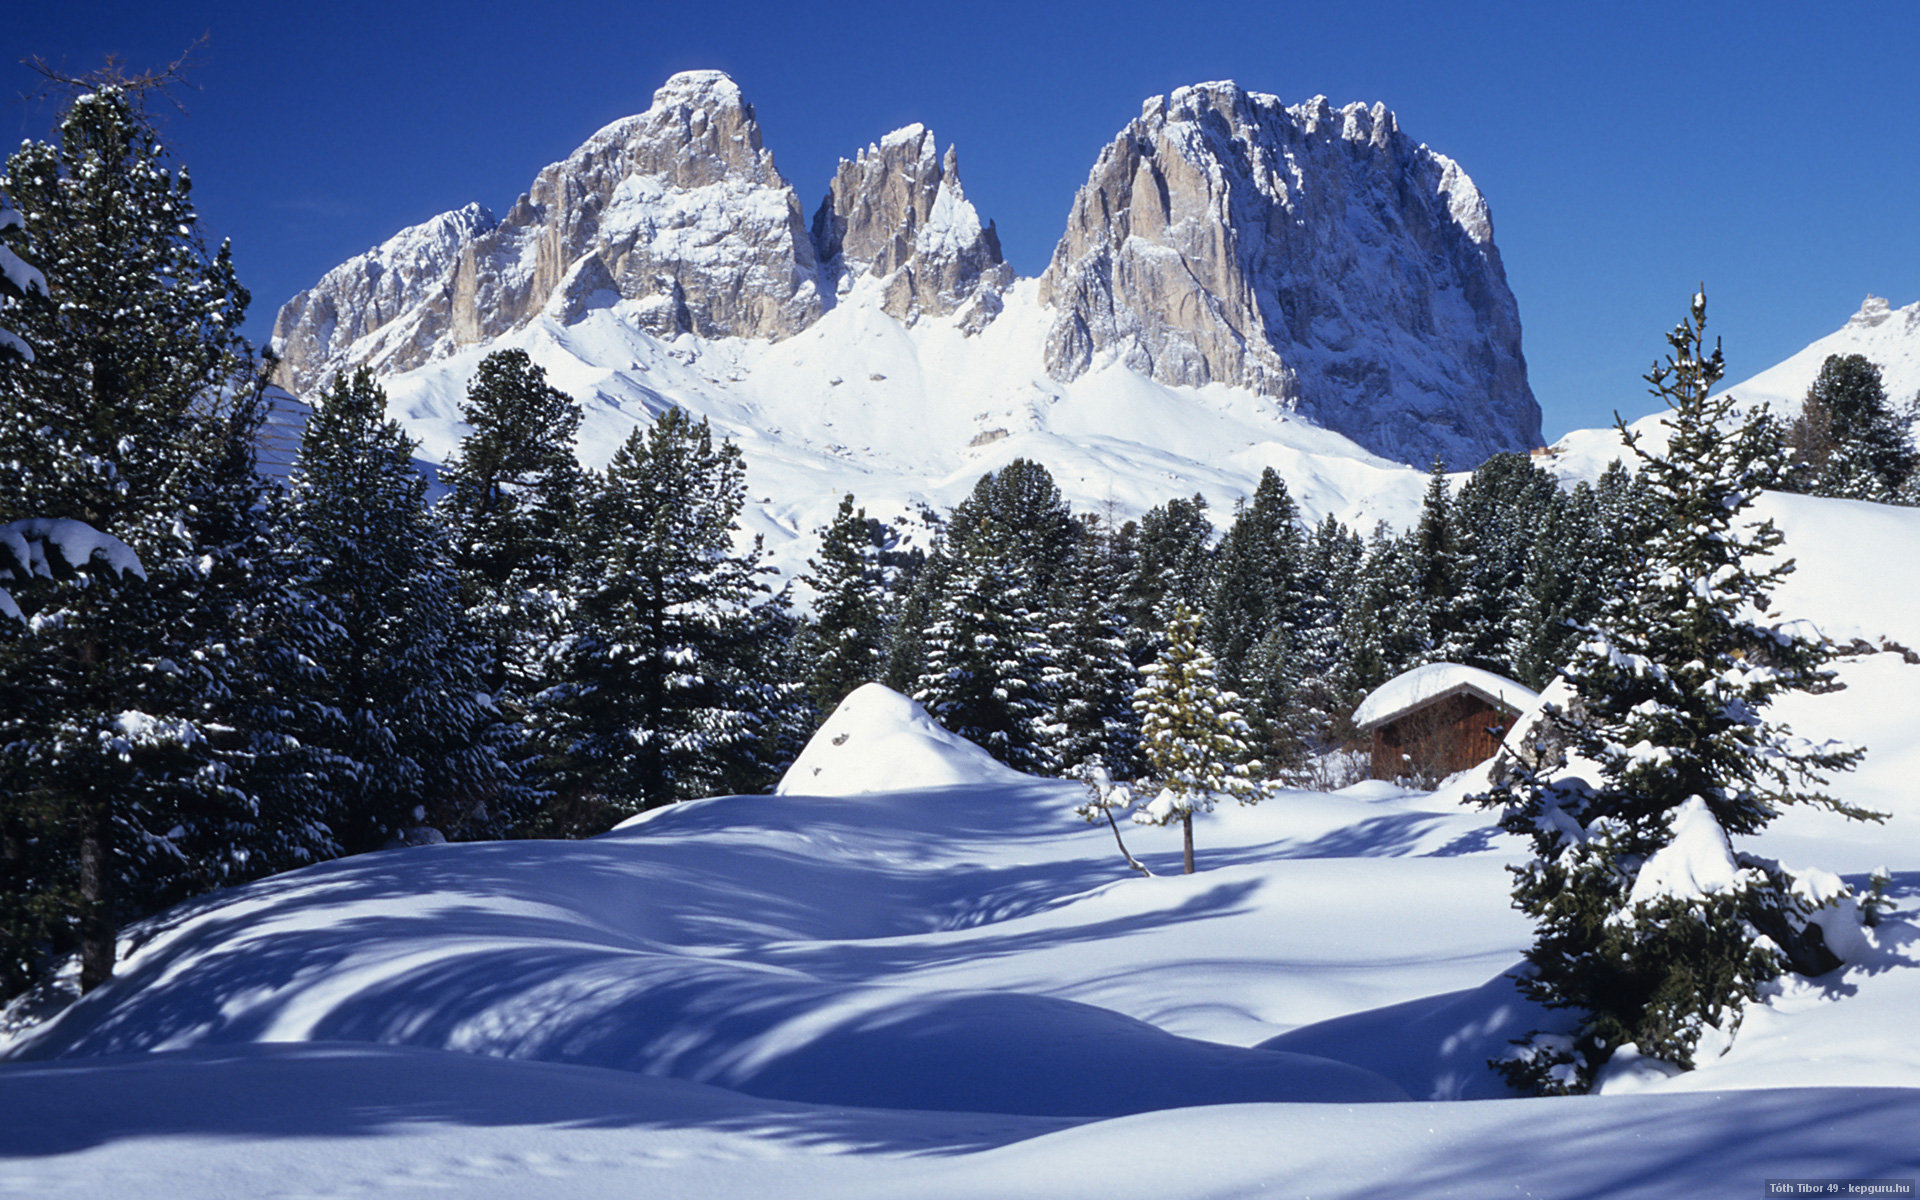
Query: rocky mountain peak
(1313, 254)
(897, 212)
(679, 209)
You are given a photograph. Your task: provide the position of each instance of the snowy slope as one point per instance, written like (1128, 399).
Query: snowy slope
(909, 415)
(959, 990)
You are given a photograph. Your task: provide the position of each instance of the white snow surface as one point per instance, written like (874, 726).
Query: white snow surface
(961, 991)
(1422, 684)
(1698, 861)
(880, 741)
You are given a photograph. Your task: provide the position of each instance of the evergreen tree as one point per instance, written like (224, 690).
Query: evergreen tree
(1092, 723)
(1847, 441)
(847, 638)
(988, 660)
(1255, 619)
(419, 740)
(1436, 622)
(18, 279)
(1647, 923)
(670, 679)
(1502, 511)
(1195, 742)
(513, 497)
(118, 419)
(1172, 562)
(989, 657)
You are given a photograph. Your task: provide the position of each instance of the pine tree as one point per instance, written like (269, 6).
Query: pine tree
(119, 420)
(513, 498)
(1647, 923)
(1499, 515)
(847, 638)
(989, 657)
(670, 679)
(1436, 620)
(988, 660)
(1092, 723)
(1847, 441)
(1172, 562)
(420, 743)
(1195, 741)
(1256, 575)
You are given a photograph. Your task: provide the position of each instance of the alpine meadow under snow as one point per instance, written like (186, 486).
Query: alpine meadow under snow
(910, 968)
(930, 977)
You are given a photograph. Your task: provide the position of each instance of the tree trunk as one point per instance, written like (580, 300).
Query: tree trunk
(96, 894)
(1131, 860)
(1186, 829)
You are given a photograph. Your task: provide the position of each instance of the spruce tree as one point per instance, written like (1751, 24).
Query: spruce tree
(420, 743)
(1648, 924)
(988, 659)
(120, 420)
(1092, 723)
(1434, 558)
(1195, 742)
(513, 496)
(1847, 441)
(670, 679)
(1254, 618)
(847, 637)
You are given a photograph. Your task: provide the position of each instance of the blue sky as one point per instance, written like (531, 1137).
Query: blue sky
(1628, 150)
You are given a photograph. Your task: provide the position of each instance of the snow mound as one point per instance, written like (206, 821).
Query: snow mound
(1424, 684)
(881, 741)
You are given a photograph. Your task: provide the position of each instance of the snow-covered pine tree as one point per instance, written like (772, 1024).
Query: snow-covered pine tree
(989, 656)
(18, 279)
(1172, 561)
(512, 501)
(1092, 723)
(404, 676)
(121, 421)
(1500, 511)
(1196, 744)
(845, 642)
(1385, 627)
(987, 653)
(1847, 441)
(1435, 560)
(1255, 614)
(1648, 924)
(670, 683)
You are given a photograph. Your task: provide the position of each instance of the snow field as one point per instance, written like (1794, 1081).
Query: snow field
(936, 980)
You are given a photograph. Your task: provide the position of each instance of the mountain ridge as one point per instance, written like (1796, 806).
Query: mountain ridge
(680, 214)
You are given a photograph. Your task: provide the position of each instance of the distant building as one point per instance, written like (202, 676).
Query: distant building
(1438, 719)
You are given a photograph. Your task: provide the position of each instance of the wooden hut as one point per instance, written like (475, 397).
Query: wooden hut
(1438, 719)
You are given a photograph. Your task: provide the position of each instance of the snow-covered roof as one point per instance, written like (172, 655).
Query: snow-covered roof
(1424, 685)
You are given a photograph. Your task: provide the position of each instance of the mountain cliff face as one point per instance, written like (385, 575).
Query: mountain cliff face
(1314, 257)
(897, 212)
(680, 208)
(1311, 254)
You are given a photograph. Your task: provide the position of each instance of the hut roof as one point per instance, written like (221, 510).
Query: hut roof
(1423, 685)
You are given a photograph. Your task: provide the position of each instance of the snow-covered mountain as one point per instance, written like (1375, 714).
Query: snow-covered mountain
(1311, 254)
(1303, 288)
(1886, 336)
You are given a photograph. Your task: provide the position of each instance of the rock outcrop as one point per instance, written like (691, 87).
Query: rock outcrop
(897, 212)
(1312, 254)
(679, 208)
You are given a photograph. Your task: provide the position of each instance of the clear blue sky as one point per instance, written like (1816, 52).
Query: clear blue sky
(1628, 150)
